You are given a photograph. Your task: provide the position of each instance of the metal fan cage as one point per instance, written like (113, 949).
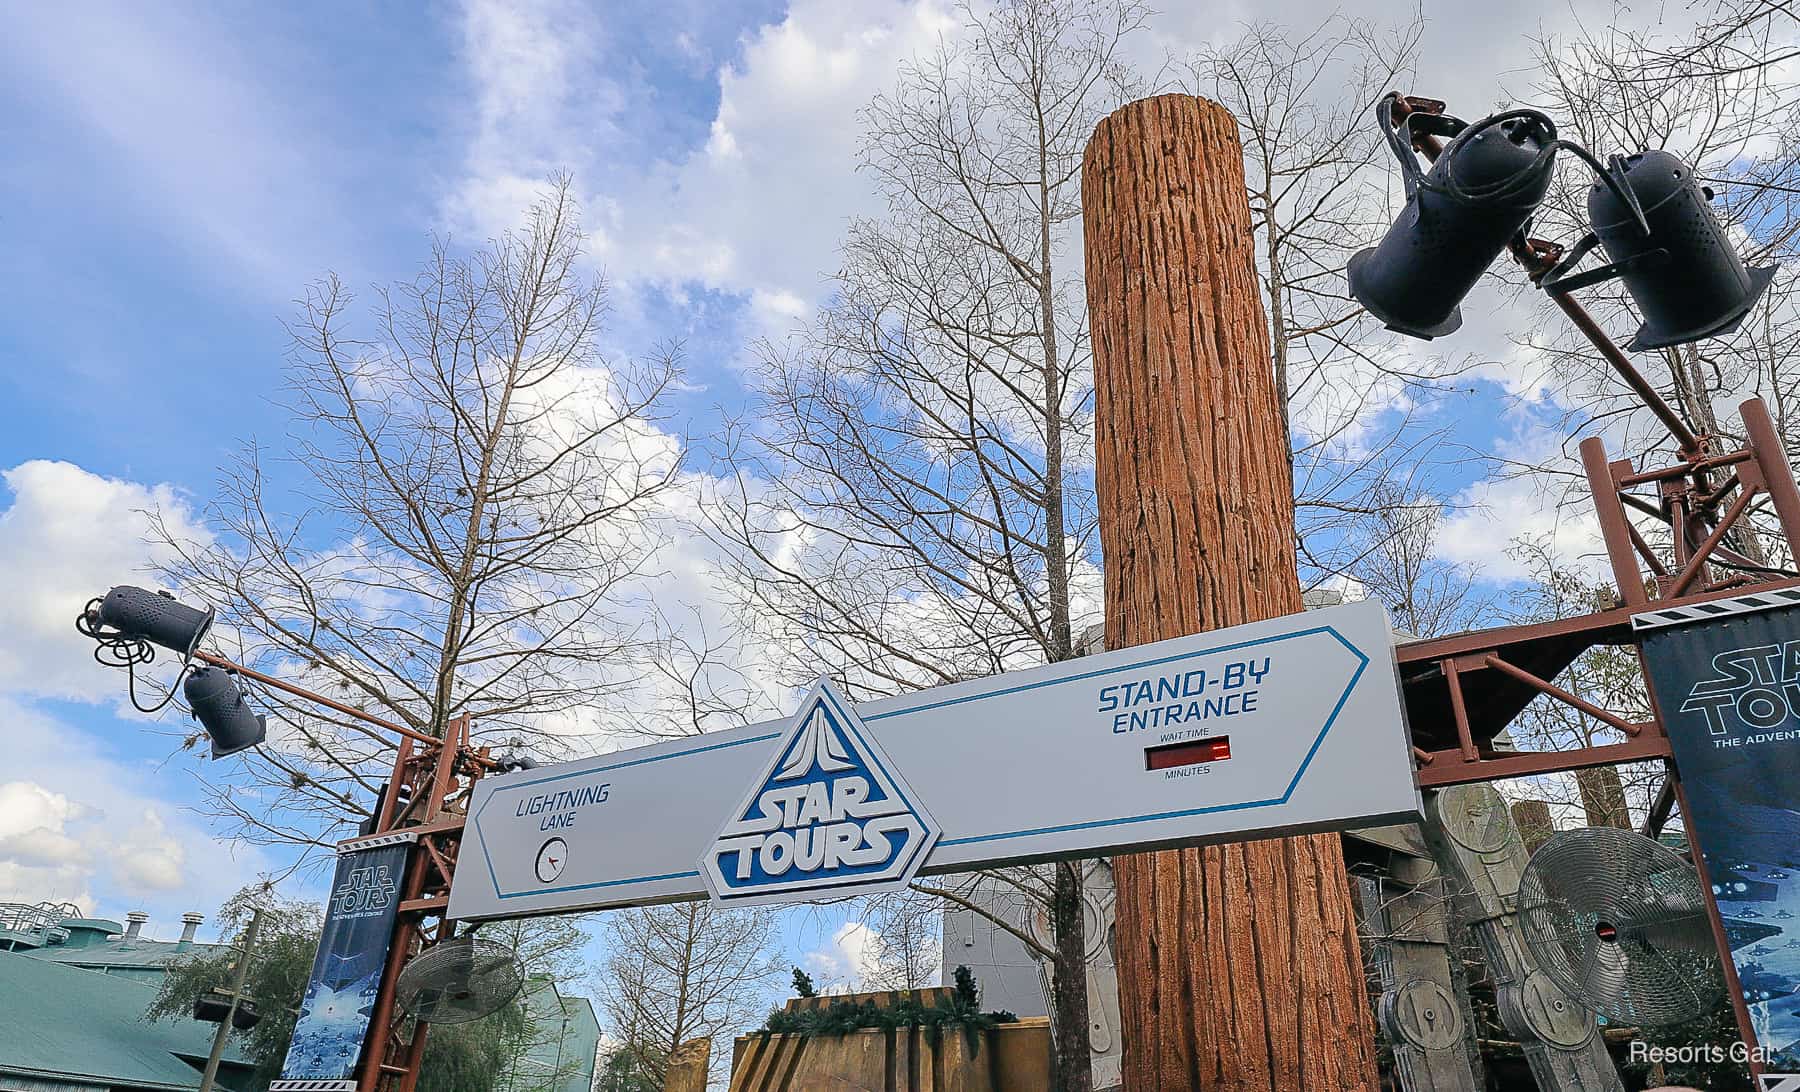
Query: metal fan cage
(460, 980)
(1618, 922)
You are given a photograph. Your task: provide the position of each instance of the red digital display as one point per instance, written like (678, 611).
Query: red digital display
(1191, 753)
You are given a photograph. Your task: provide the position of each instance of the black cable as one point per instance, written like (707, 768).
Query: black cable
(1513, 184)
(113, 649)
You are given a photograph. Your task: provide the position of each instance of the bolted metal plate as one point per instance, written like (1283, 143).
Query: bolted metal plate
(1475, 815)
(1422, 1014)
(1551, 1014)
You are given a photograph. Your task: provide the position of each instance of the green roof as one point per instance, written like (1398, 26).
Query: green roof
(75, 1024)
(124, 953)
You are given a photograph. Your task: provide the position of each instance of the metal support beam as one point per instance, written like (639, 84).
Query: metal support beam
(1444, 767)
(1705, 549)
(434, 815)
(1771, 460)
(1460, 710)
(1562, 695)
(1615, 526)
(289, 688)
(1658, 816)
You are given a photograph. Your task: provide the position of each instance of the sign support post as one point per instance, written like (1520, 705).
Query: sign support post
(1239, 964)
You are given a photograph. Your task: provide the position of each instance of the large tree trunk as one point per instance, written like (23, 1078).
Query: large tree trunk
(1238, 965)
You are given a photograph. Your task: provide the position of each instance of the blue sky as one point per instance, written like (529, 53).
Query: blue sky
(175, 174)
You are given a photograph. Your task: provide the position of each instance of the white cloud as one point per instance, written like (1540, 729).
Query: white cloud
(543, 104)
(67, 536)
(853, 953)
(1492, 515)
(757, 206)
(77, 825)
(194, 126)
(149, 857)
(36, 852)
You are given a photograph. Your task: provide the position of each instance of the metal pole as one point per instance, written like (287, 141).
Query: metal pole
(1684, 436)
(1771, 459)
(300, 692)
(238, 975)
(1615, 528)
(1740, 1008)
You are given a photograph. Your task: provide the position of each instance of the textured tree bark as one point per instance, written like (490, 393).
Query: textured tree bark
(1239, 966)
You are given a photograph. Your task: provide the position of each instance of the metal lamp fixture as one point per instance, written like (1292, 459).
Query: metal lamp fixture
(1648, 211)
(515, 761)
(220, 707)
(126, 621)
(1458, 217)
(138, 614)
(1685, 277)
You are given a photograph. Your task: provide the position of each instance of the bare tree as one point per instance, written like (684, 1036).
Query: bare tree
(923, 507)
(552, 952)
(906, 941)
(479, 490)
(1609, 676)
(676, 973)
(1318, 174)
(1738, 36)
(1425, 595)
(1716, 98)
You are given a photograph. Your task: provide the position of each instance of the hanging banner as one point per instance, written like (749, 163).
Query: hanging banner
(346, 972)
(1726, 675)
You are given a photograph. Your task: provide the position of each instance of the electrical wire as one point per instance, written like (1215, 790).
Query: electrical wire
(113, 649)
(1518, 182)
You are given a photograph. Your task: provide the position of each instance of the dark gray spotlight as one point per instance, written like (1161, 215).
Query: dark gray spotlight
(141, 614)
(1685, 277)
(1459, 216)
(219, 705)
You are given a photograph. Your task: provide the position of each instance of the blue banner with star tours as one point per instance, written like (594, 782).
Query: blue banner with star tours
(1727, 679)
(346, 972)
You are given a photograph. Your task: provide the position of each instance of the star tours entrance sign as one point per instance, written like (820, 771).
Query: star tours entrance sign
(1278, 727)
(826, 814)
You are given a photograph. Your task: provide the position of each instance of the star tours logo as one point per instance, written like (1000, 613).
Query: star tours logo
(827, 814)
(365, 891)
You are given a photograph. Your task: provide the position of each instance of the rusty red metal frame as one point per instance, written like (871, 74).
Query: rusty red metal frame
(439, 775)
(1699, 515)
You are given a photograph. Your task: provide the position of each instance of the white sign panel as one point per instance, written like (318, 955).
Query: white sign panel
(1276, 727)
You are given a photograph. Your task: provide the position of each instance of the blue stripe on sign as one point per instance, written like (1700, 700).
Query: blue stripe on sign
(602, 883)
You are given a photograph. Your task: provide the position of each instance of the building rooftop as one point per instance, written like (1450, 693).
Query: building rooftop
(566, 1042)
(119, 952)
(61, 1023)
(59, 932)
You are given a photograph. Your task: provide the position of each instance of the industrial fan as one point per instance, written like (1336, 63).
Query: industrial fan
(462, 979)
(1618, 921)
